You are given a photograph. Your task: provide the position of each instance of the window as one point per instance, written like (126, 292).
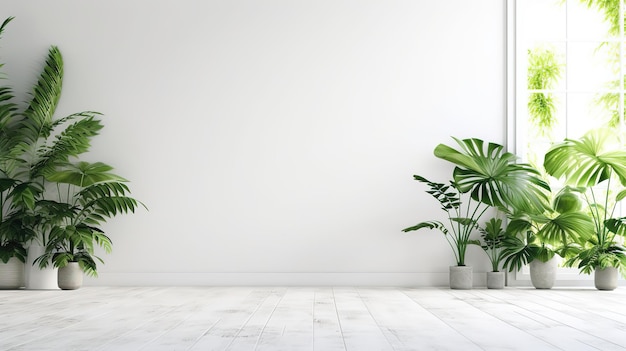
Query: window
(567, 61)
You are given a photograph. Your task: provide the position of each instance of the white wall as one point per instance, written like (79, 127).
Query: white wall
(274, 141)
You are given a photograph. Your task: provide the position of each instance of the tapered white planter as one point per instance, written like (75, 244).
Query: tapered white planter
(461, 277)
(12, 274)
(605, 278)
(495, 280)
(543, 274)
(36, 278)
(70, 276)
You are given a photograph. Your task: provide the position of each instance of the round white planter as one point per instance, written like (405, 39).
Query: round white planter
(70, 276)
(495, 280)
(39, 279)
(605, 278)
(543, 274)
(12, 274)
(461, 277)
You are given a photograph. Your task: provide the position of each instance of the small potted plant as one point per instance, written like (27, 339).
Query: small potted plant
(492, 237)
(484, 176)
(88, 195)
(596, 165)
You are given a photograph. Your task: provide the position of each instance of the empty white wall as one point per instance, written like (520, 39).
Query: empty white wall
(274, 141)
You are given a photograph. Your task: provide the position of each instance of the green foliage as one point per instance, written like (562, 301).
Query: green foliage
(484, 177)
(493, 236)
(596, 163)
(541, 235)
(39, 152)
(544, 71)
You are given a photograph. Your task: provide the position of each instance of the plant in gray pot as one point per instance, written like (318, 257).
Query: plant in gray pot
(492, 237)
(539, 239)
(484, 176)
(596, 165)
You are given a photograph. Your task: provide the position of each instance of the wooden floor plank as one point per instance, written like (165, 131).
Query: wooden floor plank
(409, 326)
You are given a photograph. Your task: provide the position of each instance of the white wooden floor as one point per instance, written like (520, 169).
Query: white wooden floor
(297, 318)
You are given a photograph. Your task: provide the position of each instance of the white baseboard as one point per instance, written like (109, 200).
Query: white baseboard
(274, 279)
(431, 279)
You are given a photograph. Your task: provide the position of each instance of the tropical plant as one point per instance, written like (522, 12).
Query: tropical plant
(17, 192)
(485, 176)
(492, 237)
(596, 164)
(38, 153)
(541, 235)
(88, 195)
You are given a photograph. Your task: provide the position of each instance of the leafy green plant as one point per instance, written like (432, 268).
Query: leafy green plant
(38, 154)
(492, 237)
(88, 195)
(18, 192)
(485, 176)
(541, 235)
(595, 163)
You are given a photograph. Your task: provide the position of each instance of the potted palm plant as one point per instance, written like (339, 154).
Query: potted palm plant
(43, 150)
(596, 164)
(540, 238)
(484, 176)
(88, 195)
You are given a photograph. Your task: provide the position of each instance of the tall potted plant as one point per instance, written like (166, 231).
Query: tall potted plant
(43, 151)
(484, 176)
(595, 163)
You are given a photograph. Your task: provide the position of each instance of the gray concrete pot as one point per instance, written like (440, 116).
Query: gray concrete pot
(12, 274)
(495, 280)
(461, 277)
(70, 276)
(543, 274)
(605, 278)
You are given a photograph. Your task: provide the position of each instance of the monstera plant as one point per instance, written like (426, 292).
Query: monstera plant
(485, 176)
(596, 165)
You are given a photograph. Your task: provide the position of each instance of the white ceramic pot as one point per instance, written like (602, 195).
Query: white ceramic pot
(543, 274)
(605, 278)
(461, 277)
(12, 274)
(495, 280)
(70, 277)
(36, 278)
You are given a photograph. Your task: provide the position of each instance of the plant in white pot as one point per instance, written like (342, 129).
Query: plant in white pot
(66, 200)
(88, 195)
(484, 177)
(596, 165)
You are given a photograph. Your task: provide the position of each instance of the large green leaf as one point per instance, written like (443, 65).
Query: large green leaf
(565, 227)
(588, 161)
(493, 176)
(83, 174)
